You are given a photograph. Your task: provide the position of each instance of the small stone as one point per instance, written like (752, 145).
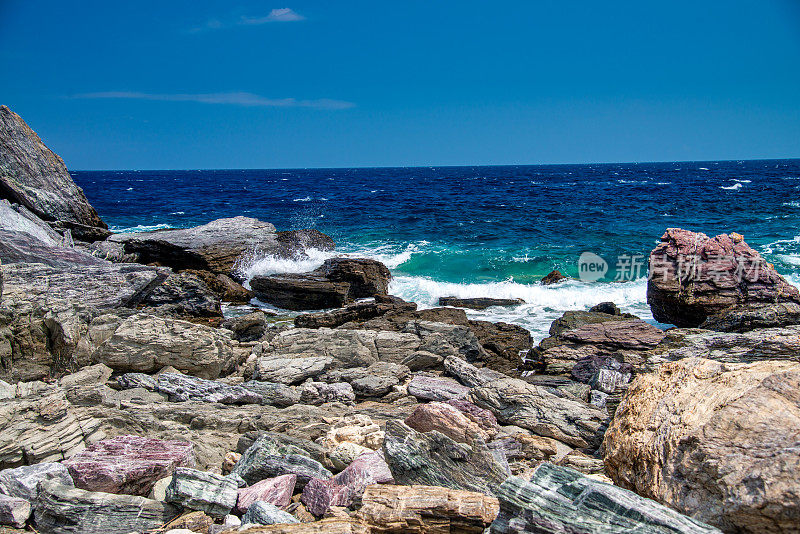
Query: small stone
(229, 461)
(14, 511)
(277, 491)
(264, 513)
(198, 490)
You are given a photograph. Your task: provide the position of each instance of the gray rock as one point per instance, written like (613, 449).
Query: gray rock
(198, 490)
(137, 380)
(267, 458)
(248, 327)
(264, 513)
(316, 393)
(468, 374)
(543, 412)
(354, 313)
(435, 388)
(273, 393)
(422, 360)
(184, 295)
(433, 459)
(182, 387)
(753, 317)
(310, 448)
(93, 374)
(23, 482)
(291, 370)
(18, 219)
(32, 175)
(558, 499)
(767, 344)
(373, 381)
(61, 509)
(14, 511)
(460, 337)
(480, 303)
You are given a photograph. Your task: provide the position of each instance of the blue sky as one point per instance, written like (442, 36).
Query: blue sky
(200, 84)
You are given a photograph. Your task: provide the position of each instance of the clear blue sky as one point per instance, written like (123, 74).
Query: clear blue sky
(200, 84)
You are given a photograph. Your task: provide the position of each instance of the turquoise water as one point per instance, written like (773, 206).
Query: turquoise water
(481, 231)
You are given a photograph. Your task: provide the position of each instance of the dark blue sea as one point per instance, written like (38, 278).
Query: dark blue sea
(481, 231)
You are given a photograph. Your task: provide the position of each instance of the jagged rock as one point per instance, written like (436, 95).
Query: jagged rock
(146, 343)
(347, 487)
(215, 247)
(504, 343)
(93, 374)
(344, 454)
(304, 239)
(446, 339)
(62, 509)
(184, 295)
(582, 462)
(561, 383)
(316, 393)
(753, 317)
(264, 513)
(524, 446)
(349, 436)
(396, 320)
(16, 220)
(312, 449)
(356, 312)
(373, 381)
(606, 307)
(533, 407)
(14, 511)
(434, 388)
(267, 458)
(277, 491)
(32, 175)
(128, 464)
(182, 387)
(694, 277)
(43, 428)
(422, 359)
(553, 277)
(248, 327)
(223, 286)
(480, 303)
(274, 394)
(468, 374)
(198, 490)
(367, 278)
(23, 482)
(434, 459)
(426, 509)
(558, 499)
(725, 448)
(137, 380)
(195, 522)
(448, 420)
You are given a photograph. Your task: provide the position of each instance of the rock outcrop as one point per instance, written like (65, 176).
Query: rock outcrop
(694, 277)
(725, 448)
(479, 303)
(33, 176)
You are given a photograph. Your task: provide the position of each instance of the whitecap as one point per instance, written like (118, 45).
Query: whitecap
(742, 181)
(139, 228)
(304, 199)
(733, 187)
(703, 168)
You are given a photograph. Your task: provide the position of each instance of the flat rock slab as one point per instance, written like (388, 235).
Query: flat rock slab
(479, 303)
(128, 464)
(199, 490)
(61, 509)
(559, 499)
(390, 509)
(181, 387)
(433, 388)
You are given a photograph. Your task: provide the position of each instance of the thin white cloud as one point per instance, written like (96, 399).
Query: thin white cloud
(236, 99)
(283, 14)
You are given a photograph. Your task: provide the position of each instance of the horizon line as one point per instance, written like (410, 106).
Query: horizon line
(648, 162)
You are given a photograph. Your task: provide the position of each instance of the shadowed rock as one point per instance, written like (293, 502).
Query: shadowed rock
(480, 303)
(198, 490)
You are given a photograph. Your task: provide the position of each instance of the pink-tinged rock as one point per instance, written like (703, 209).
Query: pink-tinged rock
(277, 491)
(694, 277)
(348, 486)
(446, 419)
(128, 465)
(436, 388)
(482, 417)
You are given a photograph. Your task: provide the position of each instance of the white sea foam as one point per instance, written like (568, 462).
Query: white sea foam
(703, 168)
(139, 228)
(304, 199)
(733, 187)
(743, 181)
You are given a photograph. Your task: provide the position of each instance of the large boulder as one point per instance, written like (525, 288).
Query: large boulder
(543, 412)
(199, 490)
(218, 246)
(267, 458)
(33, 176)
(128, 464)
(558, 499)
(338, 281)
(694, 277)
(431, 458)
(725, 447)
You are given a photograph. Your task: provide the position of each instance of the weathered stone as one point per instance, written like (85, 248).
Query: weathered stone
(751, 317)
(194, 522)
(480, 303)
(426, 509)
(32, 175)
(757, 345)
(553, 277)
(443, 339)
(335, 525)
(485, 419)
(264, 513)
(358, 429)
(266, 458)
(694, 277)
(446, 419)
(343, 454)
(317, 393)
(65, 509)
(184, 295)
(373, 381)
(274, 394)
(606, 307)
(198, 490)
(724, 450)
(524, 446)
(93, 374)
(468, 374)
(248, 327)
(277, 491)
(14, 511)
(558, 499)
(356, 312)
(312, 449)
(367, 278)
(581, 462)
(146, 343)
(435, 388)
(504, 343)
(182, 387)
(422, 360)
(23, 482)
(563, 418)
(346, 488)
(434, 459)
(128, 464)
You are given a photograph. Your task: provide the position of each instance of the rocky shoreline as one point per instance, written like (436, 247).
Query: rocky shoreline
(131, 404)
